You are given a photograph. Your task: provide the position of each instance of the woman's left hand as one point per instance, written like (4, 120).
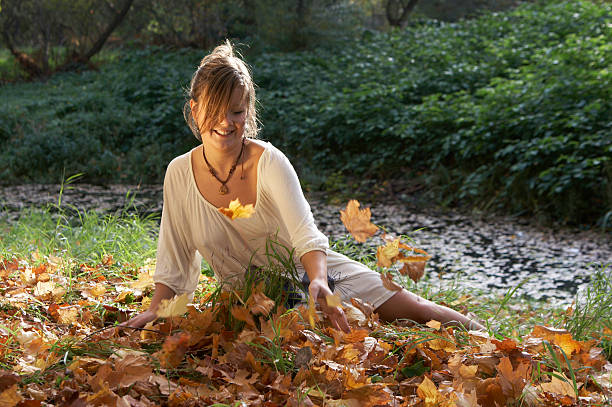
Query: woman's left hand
(319, 290)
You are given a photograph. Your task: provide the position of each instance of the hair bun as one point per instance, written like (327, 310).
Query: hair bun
(225, 50)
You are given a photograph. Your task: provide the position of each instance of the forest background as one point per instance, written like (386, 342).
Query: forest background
(499, 105)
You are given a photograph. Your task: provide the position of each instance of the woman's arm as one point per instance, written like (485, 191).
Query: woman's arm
(315, 264)
(162, 292)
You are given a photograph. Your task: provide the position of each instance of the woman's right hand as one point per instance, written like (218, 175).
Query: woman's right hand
(140, 320)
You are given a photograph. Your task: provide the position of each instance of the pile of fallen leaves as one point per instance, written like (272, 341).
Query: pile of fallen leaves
(56, 348)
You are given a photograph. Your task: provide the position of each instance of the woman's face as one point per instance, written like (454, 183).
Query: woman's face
(228, 131)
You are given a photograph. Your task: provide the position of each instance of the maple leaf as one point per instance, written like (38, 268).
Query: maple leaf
(429, 393)
(174, 307)
(173, 350)
(236, 210)
(242, 314)
(512, 381)
(333, 300)
(260, 304)
(357, 221)
(385, 255)
(558, 386)
(414, 269)
(388, 283)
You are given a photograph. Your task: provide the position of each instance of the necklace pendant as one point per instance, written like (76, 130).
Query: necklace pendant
(223, 190)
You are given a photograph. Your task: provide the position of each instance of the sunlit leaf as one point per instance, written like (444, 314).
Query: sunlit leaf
(173, 307)
(236, 210)
(357, 221)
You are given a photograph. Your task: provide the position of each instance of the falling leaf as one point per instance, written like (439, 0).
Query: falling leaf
(242, 314)
(312, 311)
(174, 307)
(357, 221)
(388, 283)
(236, 210)
(385, 255)
(414, 269)
(333, 300)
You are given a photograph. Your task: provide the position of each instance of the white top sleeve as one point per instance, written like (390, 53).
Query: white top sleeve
(178, 263)
(282, 185)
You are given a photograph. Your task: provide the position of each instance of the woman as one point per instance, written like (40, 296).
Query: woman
(230, 163)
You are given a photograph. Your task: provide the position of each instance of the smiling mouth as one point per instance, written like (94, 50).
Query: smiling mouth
(224, 134)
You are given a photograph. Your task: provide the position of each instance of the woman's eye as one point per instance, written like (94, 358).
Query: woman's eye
(239, 112)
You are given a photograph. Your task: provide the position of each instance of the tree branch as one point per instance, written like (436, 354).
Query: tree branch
(97, 46)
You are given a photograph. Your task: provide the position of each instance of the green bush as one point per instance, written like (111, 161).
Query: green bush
(507, 111)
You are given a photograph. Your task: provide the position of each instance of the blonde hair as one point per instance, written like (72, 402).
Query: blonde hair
(212, 84)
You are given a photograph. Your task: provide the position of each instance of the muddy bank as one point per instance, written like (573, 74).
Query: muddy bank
(490, 253)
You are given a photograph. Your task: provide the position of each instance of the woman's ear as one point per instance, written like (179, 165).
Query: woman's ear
(192, 105)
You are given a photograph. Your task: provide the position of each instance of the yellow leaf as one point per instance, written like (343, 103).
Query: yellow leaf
(174, 307)
(311, 311)
(428, 392)
(434, 324)
(43, 289)
(144, 280)
(236, 210)
(357, 221)
(385, 255)
(333, 300)
(67, 315)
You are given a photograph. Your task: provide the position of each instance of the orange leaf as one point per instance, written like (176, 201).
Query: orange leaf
(512, 381)
(242, 314)
(414, 269)
(174, 307)
(173, 350)
(558, 386)
(236, 210)
(260, 304)
(357, 221)
(388, 283)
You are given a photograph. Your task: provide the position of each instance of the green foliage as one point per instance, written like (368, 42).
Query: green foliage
(508, 111)
(123, 123)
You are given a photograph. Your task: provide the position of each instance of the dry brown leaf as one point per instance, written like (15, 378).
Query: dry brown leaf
(173, 350)
(558, 386)
(357, 221)
(434, 324)
(512, 381)
(388, 283)
(10, 397)
(237, 210)
(414, 269)
(242, 314)
(260, 304)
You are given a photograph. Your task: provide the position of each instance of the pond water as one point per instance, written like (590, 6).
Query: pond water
(468, 250)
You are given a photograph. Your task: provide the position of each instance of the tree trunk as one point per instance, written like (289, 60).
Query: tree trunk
(398, 11)
(97, 46)
(27, 63)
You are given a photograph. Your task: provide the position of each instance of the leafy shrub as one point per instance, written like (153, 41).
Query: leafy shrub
(506, 111)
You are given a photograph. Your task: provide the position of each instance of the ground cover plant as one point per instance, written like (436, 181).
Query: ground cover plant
(508, 111)
(59, 344)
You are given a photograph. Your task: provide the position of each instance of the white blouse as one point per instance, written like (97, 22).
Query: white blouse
(192, 227)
